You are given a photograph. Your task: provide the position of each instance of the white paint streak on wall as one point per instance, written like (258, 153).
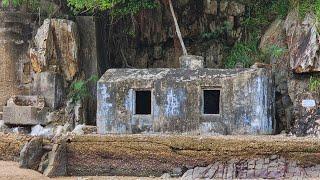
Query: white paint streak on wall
(261, 121)
(173, 104)
(104, 109)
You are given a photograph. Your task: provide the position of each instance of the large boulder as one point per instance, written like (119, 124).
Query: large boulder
(43, 48)
(49, 85)
(303, 42)
(30, 155)
(56, 47)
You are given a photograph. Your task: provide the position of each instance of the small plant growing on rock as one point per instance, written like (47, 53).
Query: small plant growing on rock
(275, 51)
(79, 89)
(314, 84)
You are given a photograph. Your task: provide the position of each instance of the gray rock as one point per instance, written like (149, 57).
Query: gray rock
(274, 157)
(191, 62)
(43, 163)
(3, 127)
(188, 175)
(50, 86)
(231, 8)
(31, 154)
(235, 9)
(211, 7)
(78, 130)
(41, 131)
(199, 172)
(212, 170)
(176, 172)
(57, 165)
(165, 176)
(91, 51)
(56, 43)
(303, 42)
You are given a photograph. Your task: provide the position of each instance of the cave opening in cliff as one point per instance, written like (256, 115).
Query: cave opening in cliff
(143, 102)
(211, 101)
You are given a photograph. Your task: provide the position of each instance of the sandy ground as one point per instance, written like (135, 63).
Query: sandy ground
(10, 170)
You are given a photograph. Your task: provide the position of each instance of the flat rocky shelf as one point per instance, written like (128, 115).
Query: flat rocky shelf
(153, 155)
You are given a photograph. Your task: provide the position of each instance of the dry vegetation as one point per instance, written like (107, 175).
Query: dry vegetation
(143, 155)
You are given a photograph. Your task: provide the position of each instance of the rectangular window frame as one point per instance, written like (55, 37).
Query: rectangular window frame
(203, 89)
(134, 102)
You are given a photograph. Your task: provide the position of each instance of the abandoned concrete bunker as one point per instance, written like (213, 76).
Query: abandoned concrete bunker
(192, 101)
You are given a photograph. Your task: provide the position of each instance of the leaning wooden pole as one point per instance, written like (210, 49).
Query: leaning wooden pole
(178, 29)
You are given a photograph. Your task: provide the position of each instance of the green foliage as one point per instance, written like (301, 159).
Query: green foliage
(317, 8)
(274, 51)
(125, 7)
(118, 7)
(281, 7)
(79, 89)
(260, 15)
(314, 84)
(32, 4)
(242, 52)
(305, 6)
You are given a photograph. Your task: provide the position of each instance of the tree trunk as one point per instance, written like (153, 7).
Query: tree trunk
(178, 29)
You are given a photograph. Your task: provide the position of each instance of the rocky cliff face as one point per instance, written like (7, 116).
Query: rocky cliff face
(296, 105)
(149, 40)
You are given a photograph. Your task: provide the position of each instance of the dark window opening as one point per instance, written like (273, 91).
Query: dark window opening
(143, 102)
(211, 101)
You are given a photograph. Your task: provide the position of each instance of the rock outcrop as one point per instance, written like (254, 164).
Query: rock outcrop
(299, 38)
(275, 36)
(56, 46)
(303, 42)
(272, 167)
(145, 155)
(30, 155)
(149, 41)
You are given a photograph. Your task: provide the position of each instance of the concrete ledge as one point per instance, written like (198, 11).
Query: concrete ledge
(145, 155)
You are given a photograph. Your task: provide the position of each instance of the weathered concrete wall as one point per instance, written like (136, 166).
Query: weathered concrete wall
(15, 68)
(246, 101)
(139, 155)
